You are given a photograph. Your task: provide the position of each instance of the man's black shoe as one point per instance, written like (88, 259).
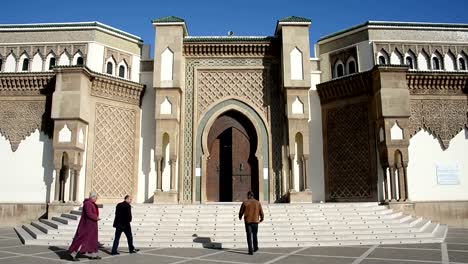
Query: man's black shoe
(135, 250)
(255, 249)
(115, 253)
(250, 253)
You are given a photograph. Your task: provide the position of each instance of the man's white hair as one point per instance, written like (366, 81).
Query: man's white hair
(92, 194)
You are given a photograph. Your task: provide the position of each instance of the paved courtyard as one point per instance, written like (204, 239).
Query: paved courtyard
(453, 250)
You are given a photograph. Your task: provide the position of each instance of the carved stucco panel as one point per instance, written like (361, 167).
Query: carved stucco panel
(19, 119)
(442, 118)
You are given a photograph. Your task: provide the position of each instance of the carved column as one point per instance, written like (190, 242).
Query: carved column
(385, 181)
(44, 62)
(57, 185)
(172, 163)
(392, 183)
(402, 188)
(71, 184)
(77, 185)
(159, 174)
(66, 187)
(18, 67)
(291, 173)
(304, 171)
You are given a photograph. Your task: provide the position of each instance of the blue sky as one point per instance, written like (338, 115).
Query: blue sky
(244, 17)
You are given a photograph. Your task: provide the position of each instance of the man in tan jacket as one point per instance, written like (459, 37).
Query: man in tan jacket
(252, 211)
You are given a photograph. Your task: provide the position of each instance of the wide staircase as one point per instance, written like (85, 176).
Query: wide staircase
(218, 226)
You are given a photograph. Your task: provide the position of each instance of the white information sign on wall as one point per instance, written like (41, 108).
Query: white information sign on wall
(447, 174)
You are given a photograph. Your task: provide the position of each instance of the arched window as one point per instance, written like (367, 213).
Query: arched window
(122, 71)
(382, 57)
(25, 66)
(435, 63)
(110, 68)
(351, 65)
(51, 63)
(339, 70)
(382, 60)
(409, 62)
(79, 61)
(462, 64)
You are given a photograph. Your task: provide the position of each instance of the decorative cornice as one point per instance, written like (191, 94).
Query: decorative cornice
(69, 26)
(115, 89)
(26, 83)
(262, 49)
(348, 86)
(108, 86)
(393, 25)
(229, 39)
(437, 83)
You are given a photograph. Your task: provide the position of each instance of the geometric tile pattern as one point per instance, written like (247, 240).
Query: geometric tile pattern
(114, 151)
(349, 157)
(247, 85)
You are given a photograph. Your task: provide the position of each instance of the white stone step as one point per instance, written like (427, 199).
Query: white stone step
(241, 231)
(408, 222)
(25, 237)
(199, 218)
(217, 225)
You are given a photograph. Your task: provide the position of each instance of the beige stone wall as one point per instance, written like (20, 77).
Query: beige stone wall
(46, 36)
(16, 214)
(451, 213)
(116, 42)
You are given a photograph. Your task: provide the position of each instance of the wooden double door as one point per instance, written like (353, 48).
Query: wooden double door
(232, 168)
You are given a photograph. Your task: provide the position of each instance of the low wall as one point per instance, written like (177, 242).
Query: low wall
(16, 214)
(451, 213)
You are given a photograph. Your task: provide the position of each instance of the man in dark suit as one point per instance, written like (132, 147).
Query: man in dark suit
(123, 217)
(252, 211)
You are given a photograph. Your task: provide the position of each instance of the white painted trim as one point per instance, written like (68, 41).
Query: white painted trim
(225, 37)
(378, 41)
(168, 23)
(295, 23)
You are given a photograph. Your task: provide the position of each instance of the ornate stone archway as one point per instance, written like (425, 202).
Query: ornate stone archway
(262, 150)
